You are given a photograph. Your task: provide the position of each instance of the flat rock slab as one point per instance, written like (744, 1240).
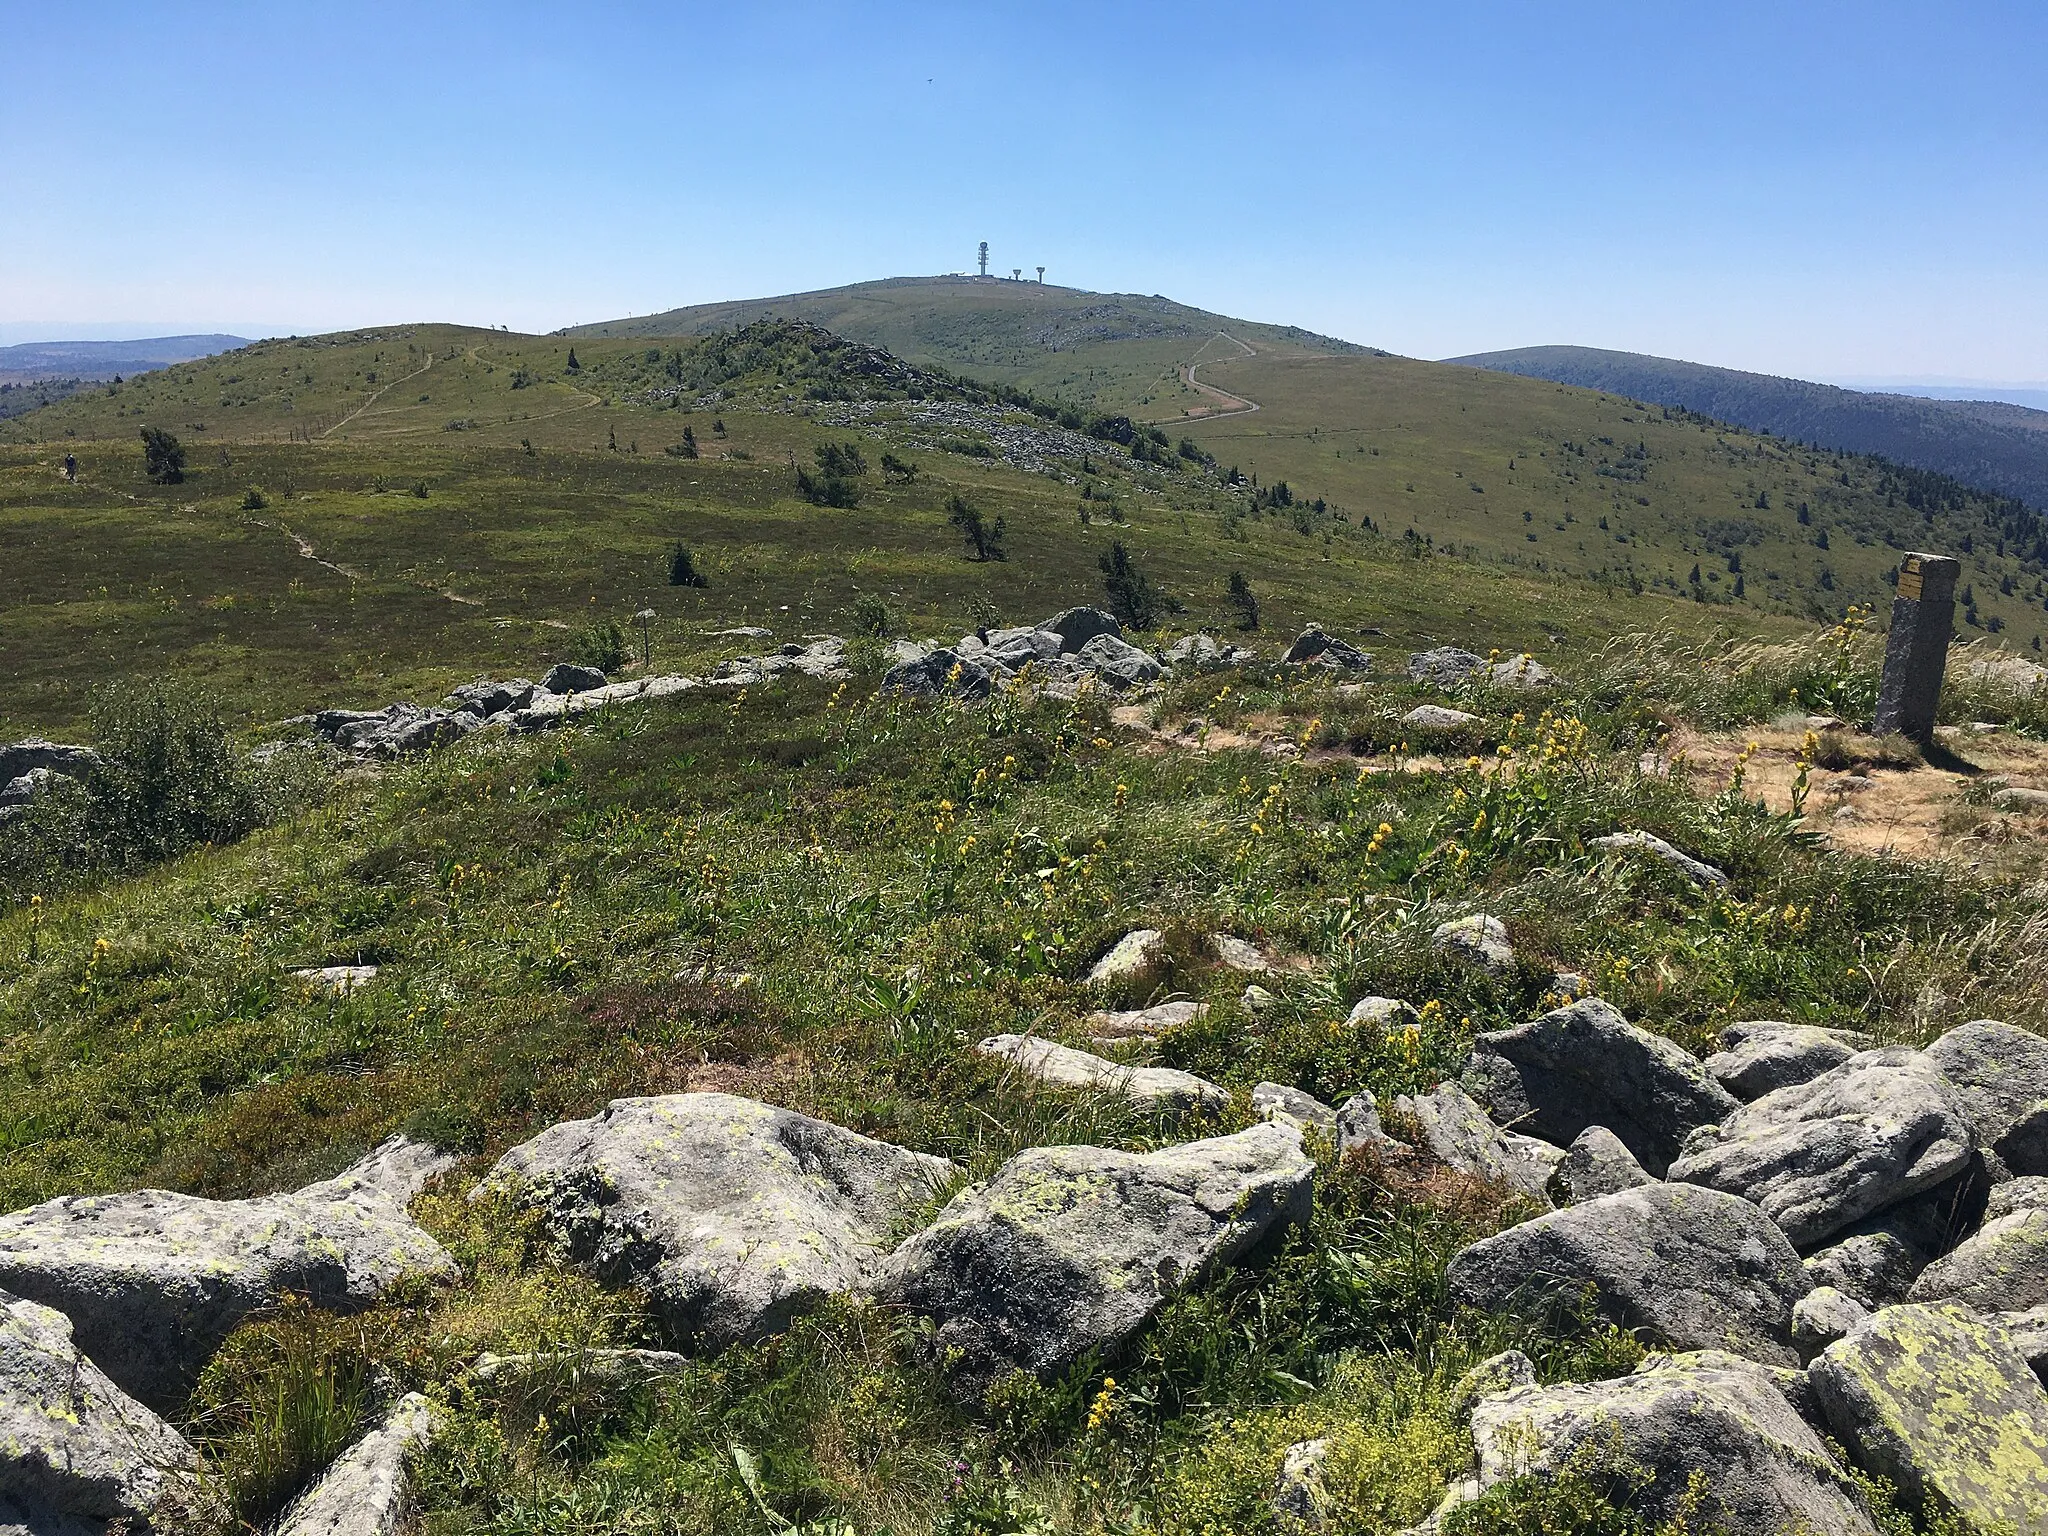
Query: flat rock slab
(1142, 1023)
(1940, 1401)
(1819, 1155)
(1135, 954)
(336, 980)
(1698, 871)
(1065, 1067)
(72, 1444)
(1587, 1065)
(1069, 1249)
(153, 1281)
(2001, 1267)
(366, 1492)
(1435, 717)
(1714, 1418)
(731, 1216)
(1761, 1056)
(1692, 1267)
(1238, 954)
(2000, 1075)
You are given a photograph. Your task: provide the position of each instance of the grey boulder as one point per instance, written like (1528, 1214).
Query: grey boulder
(731, 1216)
(1698, 871)
(1595, 1164)
(1706, 1421)
(2000, 1074)
(365, 1492)
(1587, 1065)
(1077, 626)
(23, 757)
(153, 1281)
(1069, 1249)
(1358, 1127)
(1119, 663)
(395, 731)
(567, 677)
(2001, 1267)
(1143, 1023)
(1876, 1267)
(1456, 1131)
(486, 698)
(1435, 717)
(1064, 1067)
(1938, 1400)
(1478, 940)
(1822, 1316)
(1314, 647)
(1761, 1056)
(1692, 1267)
(1881, 1127)
(1444, 667)
(940, 673)
(1134, 956)
(1290, 1106)
(73, 1446)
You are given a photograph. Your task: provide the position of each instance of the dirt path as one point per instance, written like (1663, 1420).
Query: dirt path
(1230, 405)
(374, 398)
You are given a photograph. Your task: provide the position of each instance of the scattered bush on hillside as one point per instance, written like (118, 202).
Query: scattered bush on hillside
(682, 569)
(1136, 600)
(686, 449)
(840, 459)
(827, 490)
(253, 500)
(985, 539)
(900, 469)
(163, 456)
(1241, 597)
(875, 618)
(601, 645)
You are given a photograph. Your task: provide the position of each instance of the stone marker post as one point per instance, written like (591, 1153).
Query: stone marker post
(1916, 650)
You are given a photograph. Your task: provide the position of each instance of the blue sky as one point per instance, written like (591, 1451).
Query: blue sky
(1831, 190)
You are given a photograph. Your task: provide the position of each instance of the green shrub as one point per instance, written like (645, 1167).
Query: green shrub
(601, 645)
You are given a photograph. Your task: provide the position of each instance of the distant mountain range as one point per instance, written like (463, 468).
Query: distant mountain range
(1989, 444)
(36, 360)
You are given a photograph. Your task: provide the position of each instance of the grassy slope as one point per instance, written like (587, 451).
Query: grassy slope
(508, 549)
(2002, 447)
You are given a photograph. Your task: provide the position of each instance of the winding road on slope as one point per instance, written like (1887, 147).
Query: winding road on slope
(1233, 405)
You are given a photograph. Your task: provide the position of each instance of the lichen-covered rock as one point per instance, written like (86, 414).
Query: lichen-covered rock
(2028, 1331)
(1877, 1268)
(942, 672)
(73, 1444)
(1595, 1164)
(1298, 1493)
(1142, 1023)
(1069, 1249)
(1692, 1267)
(1065, 1067)
(1315, 647)
(2027, 1194)
(153, 1281)
(1698, 871)
(2002, 1267)
(1358, 1127)
(1713, 1423)
(1435, 717)
(1817, 1156)
(731, 1216)
(1587, 1065)
(1761, 1056)
(1939, 1401)
(486, 698)
(1119, 663)
(1444, 667)
(1456, 1131)
(1279, 1101)
(1822, 1316)
(1238, 955)
(1489, 1378)
(366, 1491)
(2000, 1075)
(1385, 1014)
(1136, 954)
(1478, 940)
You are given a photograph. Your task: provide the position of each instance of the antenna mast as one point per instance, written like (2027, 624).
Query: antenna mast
(1041, 274)
(984, 258)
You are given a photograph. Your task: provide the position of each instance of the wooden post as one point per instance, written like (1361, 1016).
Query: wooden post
(1916, 650)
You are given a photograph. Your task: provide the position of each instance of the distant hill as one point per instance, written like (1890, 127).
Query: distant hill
(35, 360)
(1116, 351)
(1985, 443)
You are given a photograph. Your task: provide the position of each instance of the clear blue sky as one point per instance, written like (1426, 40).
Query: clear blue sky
(1825, 189)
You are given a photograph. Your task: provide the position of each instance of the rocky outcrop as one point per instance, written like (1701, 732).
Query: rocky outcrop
(1119, 663)
(1761, 1056)
(730, 1216)
(1877, 1268)
(1069, 1249)
(2001, 1267)
(1478, 940)
(1822, 1316)
(366, 1491)
(1290, 1106)
(567, 677)
(1939, 1401)
(153, 1281)
(397, 730)
(1698, 871)
(1203, 653)
(1237, 954)
(1595, 1164)
(1315, 647)
(1075, 627)
(940, 673)
(1358, 1128)
(1692, 1267)
(1132, 958)
(1679, 1423)
(73, 1446)
(1064, 1067)
(1384, 1014)
(1586, 1065)
(1142, 1023)
(1818, 1155)
(2000, 1076)
(1435, 717)
(1444, 667)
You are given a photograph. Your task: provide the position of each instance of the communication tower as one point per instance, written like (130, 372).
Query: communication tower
(1016, 274)
(1041, 274)
(984, 258)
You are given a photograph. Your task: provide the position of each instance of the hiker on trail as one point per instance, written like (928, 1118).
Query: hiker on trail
(70, 466)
